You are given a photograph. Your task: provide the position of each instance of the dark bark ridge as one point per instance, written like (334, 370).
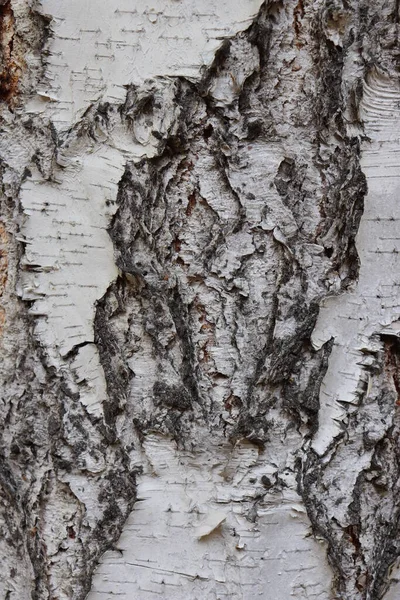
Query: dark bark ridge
(152, 233)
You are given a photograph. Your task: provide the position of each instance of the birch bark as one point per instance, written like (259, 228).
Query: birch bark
(199, 321)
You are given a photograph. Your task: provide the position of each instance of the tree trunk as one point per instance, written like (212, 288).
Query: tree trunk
(199, 279)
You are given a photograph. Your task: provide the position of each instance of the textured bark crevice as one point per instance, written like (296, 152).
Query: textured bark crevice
(363, 550)
(185, 406)
(280, 383)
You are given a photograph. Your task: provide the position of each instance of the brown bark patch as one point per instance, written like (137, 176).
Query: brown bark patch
(191, 204)
(298, 15)
(11, 62)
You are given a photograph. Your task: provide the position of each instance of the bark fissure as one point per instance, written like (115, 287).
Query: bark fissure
(205, 373)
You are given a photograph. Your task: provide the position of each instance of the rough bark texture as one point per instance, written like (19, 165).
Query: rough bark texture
(199, 275)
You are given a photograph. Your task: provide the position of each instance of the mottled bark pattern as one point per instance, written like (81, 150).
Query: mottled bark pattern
(200, 361)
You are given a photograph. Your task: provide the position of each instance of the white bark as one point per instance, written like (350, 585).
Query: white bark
(198, 283)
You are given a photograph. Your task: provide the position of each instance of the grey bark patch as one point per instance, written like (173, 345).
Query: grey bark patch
(227, 240)
(170, 395)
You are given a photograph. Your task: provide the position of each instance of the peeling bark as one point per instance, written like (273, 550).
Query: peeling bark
(198, 287)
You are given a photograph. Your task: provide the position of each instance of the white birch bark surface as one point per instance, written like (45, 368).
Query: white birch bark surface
(199, 299)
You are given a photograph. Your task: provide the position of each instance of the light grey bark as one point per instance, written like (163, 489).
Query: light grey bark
(199, 281)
